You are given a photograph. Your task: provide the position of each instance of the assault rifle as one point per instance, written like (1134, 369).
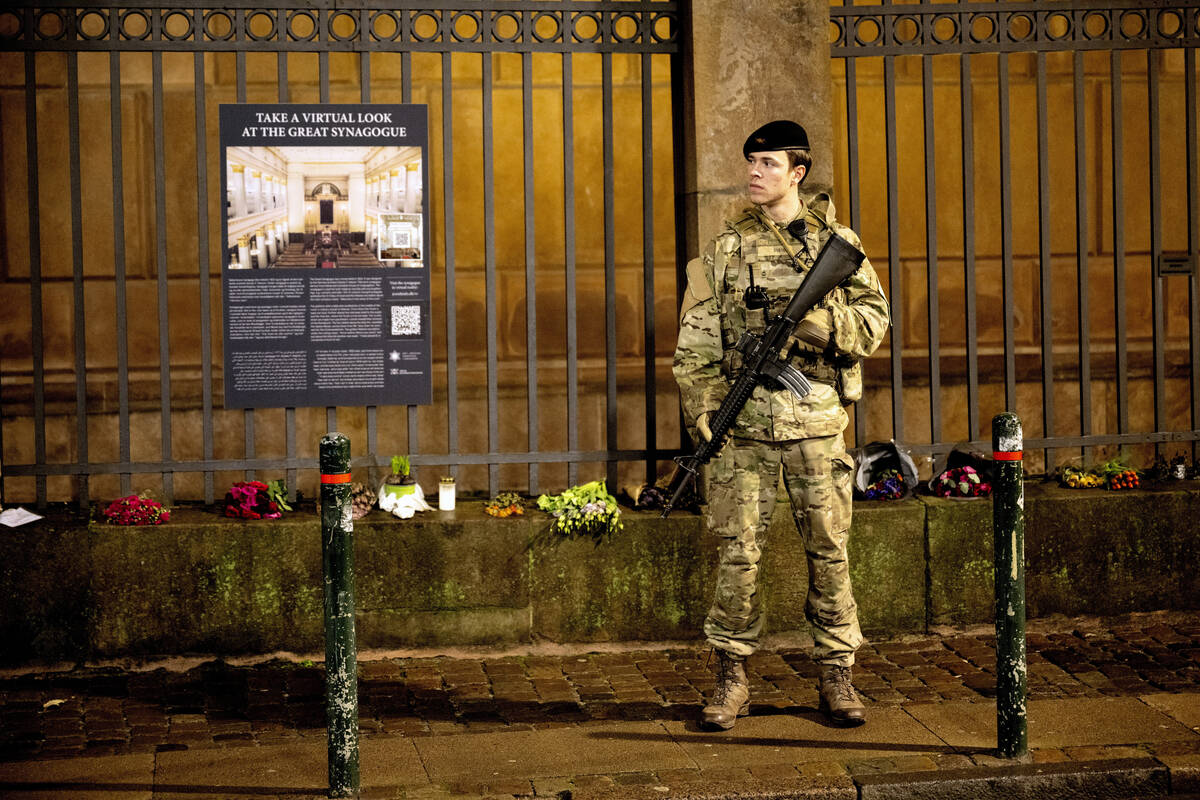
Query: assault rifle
(762, 363)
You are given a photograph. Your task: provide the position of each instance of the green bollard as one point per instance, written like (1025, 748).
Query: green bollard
(341, 667)
(1008, 522)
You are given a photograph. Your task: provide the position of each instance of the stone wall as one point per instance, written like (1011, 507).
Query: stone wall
(202, 583)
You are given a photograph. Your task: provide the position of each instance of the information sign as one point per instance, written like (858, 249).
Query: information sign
(325, 257)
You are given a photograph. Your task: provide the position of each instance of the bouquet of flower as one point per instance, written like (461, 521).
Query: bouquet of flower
(362, 500)
(251, 500)
(961, 481)
(136, 510)
(586, 509)
(504, 504)
(888, 486)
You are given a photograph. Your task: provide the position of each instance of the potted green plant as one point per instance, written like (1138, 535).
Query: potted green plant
(400, 482)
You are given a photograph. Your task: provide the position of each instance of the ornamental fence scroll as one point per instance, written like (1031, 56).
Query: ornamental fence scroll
(340, 26)
(930, 28)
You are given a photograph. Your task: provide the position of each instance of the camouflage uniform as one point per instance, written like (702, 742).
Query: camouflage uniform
(776, 430)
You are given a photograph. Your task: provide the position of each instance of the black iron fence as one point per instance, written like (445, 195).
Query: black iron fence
(1025, 175)
(556, 328)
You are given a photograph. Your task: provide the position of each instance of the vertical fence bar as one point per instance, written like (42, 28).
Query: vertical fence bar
(1081, 254)
(852, 178)
(247, 414)
(1045, 267)
(1006, 245)
(205, 280)
(531, 355)
(289, 413)
(489, 250)
(679, 183)
(448, 222)
(341, 656)
(931, 248)
(240, 74)
(1156, 282)
(35, 276)
(1193, 227)
(160, 225)
(968, 197)
(1118, 226)
(323, 71)
(80, 322)
(895, 278)
(122, 342)
(282, 73)
(364, 68)
(651, 381)
(610, 270)
(364, 89)
(1008, 522)
(410, 411)
(323, 80)
(569, 266)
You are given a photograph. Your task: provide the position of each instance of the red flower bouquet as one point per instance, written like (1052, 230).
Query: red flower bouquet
(136, 510)
(250, 500)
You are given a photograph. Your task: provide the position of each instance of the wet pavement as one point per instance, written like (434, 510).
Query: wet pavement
(930, 700)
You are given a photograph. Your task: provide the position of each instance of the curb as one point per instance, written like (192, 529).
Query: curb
(1119, 778)
(1114, 779)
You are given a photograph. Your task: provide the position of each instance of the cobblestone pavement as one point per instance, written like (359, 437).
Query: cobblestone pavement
(101, 710)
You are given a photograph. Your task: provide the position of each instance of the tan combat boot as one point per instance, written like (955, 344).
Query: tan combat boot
(838, 698)
(731, 697)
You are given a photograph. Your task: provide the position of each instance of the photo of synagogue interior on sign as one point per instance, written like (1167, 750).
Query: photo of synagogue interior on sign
(323, 207)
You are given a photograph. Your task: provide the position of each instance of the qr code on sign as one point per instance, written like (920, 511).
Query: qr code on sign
(406, 320)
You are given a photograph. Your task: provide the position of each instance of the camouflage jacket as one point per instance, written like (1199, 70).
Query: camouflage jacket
(713, 317)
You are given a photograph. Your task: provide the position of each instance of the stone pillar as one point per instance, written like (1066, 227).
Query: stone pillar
(244, 252)
(394, 190)
(356, 193)
(746, 64)
(260, 248)
(237, 188)
(412, 188)
(272, 253)
(295, 199)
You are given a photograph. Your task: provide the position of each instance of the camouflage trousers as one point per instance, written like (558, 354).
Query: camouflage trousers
(742, 485)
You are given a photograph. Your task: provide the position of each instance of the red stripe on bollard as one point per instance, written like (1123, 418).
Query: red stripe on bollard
(341, 478)
(1008, 455)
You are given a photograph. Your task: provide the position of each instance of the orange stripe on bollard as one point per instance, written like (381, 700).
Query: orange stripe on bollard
(343, 477)
(1008, 455)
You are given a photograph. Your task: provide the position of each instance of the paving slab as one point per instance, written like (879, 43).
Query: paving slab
(804, 736)
(126, 777)
(1183, 708)
(1054, 723)
(294, 769)
(583, 750)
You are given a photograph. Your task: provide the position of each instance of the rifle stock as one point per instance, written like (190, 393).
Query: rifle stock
(762, 361)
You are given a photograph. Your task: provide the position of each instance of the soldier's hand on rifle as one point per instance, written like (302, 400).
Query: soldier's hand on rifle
(815, 331)
(702, 426)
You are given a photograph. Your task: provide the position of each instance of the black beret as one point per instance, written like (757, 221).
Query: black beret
(782, 134)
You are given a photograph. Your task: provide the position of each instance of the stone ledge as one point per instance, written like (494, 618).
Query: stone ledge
(203, 583)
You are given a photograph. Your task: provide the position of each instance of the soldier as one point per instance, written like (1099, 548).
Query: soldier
(746, 276)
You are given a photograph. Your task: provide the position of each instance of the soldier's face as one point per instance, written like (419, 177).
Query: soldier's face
(769, 178)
